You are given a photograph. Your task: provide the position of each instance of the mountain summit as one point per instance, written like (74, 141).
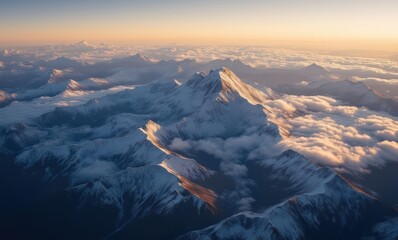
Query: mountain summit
(315, 69)
(224, 82)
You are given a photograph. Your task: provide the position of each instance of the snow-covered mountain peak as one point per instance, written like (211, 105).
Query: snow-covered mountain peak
(139, 58)
(225, 84)
(82, 42)
(73, 88)
(315, 69)
(348, 83)
(73, 85)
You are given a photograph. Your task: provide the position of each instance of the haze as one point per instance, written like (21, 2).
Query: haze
(329, 25)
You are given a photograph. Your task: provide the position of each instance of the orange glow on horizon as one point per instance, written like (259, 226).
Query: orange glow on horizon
(19, 39)
(364, 24)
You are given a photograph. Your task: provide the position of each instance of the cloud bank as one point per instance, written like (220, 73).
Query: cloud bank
(330, 133)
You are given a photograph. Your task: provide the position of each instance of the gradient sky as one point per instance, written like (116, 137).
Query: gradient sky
(340, 23)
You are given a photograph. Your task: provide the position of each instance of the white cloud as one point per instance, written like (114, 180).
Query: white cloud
(93, 170)
(179, 144)
(345, 137)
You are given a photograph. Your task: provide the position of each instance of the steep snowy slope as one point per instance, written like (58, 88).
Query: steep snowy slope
(319, 205)
(6, 98)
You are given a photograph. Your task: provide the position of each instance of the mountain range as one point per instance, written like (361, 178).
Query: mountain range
(174, 159)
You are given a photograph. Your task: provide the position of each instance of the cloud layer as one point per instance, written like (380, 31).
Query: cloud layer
(330, 133)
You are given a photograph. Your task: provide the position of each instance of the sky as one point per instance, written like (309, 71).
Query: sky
(354, 24)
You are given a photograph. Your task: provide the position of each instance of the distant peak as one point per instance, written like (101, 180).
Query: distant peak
(234, 60)
(74, 85)
(83, 42)
(188, 60)
(315, 68)
(357, 84)
(63, 58)
(139, 57)
(62, 63)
